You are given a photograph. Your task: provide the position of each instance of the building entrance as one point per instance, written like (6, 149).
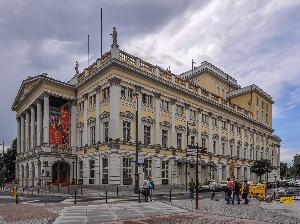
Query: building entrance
(61, 172)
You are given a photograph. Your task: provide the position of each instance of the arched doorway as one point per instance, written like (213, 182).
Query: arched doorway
(61, 172)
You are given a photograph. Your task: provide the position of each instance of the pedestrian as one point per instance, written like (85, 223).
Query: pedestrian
(228, 191)
(146, 187)
(245, 191)
(151, 187)
(192, 188)
(213, 189)
(236, 191)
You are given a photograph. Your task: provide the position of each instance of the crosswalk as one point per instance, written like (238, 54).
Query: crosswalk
(111, 212)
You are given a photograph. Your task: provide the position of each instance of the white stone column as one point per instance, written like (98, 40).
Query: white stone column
(228, 138)
(85, 120)
(199, 127)
(115, 162)
(157, 170)
(18, 135)
(157, 119)
(172, 171)
(248, 173)
(46, 120)
(27, 130)
(38, 123)
(220, 172)
(227, 171)
(97, 127)
(249, 143)
(173, 118)
(115, 94)
(22, 142)
(254, 145)
(235, 140)
(243, 142)
(32, 127)
(219, 151)
(73, 124)
(141, 129)
(210, 148)
(186, 137)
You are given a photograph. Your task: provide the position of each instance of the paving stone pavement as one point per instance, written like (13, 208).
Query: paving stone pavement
(111, 212)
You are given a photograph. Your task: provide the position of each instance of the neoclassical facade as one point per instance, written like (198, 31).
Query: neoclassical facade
(83, 131)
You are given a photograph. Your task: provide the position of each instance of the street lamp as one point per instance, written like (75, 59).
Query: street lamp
(136, 170)
(186, 154)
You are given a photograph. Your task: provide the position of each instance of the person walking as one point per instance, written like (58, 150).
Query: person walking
(236, 191)
(146, 187)
(151, 187)
(192, 188)
(245, 191)
(228, 191)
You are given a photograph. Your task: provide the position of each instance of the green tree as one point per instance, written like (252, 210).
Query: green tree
(284, 169)
(261, 167)
(8, 172)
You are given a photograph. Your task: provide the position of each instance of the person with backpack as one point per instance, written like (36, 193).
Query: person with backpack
(151, 187)
(228, 190)
(236, 192)
(192, 186)
(245, 191)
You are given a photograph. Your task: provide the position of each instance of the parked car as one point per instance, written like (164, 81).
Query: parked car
(223, 184)
(297, 183)
(214, 185)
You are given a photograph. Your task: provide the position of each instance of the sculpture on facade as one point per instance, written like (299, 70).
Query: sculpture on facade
(77, 67)
(114, 36)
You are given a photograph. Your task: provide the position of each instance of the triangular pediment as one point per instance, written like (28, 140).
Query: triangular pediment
(27, 85)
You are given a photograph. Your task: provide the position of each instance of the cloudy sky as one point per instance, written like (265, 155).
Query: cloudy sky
(254, 41)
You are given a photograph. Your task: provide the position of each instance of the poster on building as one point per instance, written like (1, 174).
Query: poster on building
(59, 125)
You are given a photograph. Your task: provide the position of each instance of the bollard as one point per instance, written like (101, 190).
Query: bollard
(106, 196)
(49, 188)
(170, 195)
(75, 197)
(38, 191)
(117, 190)
(81, 190)
(139, 196)
(57, 188)
(17, 199)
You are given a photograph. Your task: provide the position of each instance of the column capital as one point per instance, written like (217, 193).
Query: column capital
(173, 101)
(187, 106)
(85, 96)
(157, 95)
(199, 110)
(138, 88)
(97, 89)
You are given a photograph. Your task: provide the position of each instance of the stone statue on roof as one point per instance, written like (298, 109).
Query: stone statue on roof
(114, 36)
(77, 67)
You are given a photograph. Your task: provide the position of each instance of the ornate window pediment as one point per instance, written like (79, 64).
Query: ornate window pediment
(215, 136)
(165, 124)
(91, 120)
(104, 115)
(193, 131)
(231, 140)
(239, 142)
(180, 128)
(224, 139)
(148, 119)
(204, 134)
(246, 144)
(127, 114)
(79, 125)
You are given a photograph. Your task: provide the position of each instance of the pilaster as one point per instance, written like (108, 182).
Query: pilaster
(115, 94)
(38, 123)
(32, 127)
(157, 119)
(27, 130)
(46, 120)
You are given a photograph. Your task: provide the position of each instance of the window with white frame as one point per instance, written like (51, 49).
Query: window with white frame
(126, 93)
(164, 105)
(127, 179)
(164, 138)
(204, 118)
(165, 172)
(147, 135)
(232, 127)
(104, 170)
(203, 142)
(223, 125)
(92, 171)
(192, 114)
(148, 167)
(105, 94)
(147, 99)
(214, 122)
(92, 135)
(193, 140)
(80, 168)
(105, 131)
(81, 106)
(238, 130)
(92, 101)
(80, 135)
(127, 131)
(179, 110)
(179, 140)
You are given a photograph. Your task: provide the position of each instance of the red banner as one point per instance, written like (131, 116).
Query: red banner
(59, 125)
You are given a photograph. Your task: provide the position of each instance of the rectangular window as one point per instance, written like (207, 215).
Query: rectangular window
(223, 125)
(104, 170)
(204, 118)
(203, 142)
(105, 131)
(105, 94)
(231, 127)
(238, 130)
(192, 114)
(165, 172)
(81, 138)
(92, 171)
(179, 110)
(179, 140)
(127, 179)
(146, 99)
(92, 135)
(92, 101)
(214, 147)
(81, 106)
(148, 167)
(147, 135)
(164, 105)
(164, 138)
(127, 131)
(126, 93)
(193, 140)
(223, 148)
(214, 122)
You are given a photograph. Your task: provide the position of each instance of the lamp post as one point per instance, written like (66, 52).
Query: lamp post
(136, 165)
(3, 168)
(186, 155)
